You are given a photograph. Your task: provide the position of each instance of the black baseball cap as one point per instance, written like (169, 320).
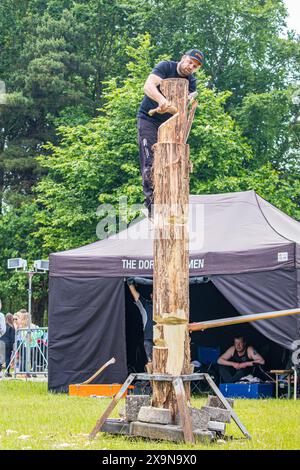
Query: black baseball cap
(196, 54)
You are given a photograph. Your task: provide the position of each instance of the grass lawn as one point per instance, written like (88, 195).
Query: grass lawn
(32, 418)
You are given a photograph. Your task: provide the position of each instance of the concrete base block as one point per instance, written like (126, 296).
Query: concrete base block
(214, 401)
(149, 414)
(199, 418)
(157, 431)
(166, 432)
(217, 426)
(217, 414)
(116, 426)
(133, 404)
(204, 437)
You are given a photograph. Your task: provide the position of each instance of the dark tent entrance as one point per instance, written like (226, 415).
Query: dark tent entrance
(206, 303)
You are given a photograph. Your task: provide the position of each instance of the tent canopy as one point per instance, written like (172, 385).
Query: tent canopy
(229, 233)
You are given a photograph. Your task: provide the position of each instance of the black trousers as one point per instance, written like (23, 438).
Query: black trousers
(148, 345)
(147, 137)
(231, 375)
(8, 350)
(8, 353)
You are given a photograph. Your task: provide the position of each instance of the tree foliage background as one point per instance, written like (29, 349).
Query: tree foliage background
(74, 71)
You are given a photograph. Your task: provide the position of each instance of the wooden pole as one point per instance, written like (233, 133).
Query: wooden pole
(171, 354)
(205, 325)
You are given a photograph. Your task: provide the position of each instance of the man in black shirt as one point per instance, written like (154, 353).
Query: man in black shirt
(148, 125)
(238, 361)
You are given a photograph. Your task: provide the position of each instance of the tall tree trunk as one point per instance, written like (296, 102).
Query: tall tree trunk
(171, 353)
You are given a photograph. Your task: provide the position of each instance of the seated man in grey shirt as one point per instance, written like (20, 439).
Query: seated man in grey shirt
(145, 307)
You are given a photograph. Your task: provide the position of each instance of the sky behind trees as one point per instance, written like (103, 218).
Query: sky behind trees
(293, 20)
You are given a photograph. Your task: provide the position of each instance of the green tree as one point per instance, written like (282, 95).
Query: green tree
(53, 67)
(243, 40)
(18, 241)
(98, 162)
(94, 163)
(271, 123)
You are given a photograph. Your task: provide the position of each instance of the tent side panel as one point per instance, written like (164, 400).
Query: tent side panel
(86, 329)
(264, 292)
(298, 300)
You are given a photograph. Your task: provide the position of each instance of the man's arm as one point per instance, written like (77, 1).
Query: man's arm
(224, 359)
(255, 356)
(151, 90)
(134, 292)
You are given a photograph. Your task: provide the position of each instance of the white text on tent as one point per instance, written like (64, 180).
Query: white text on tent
(148, 263)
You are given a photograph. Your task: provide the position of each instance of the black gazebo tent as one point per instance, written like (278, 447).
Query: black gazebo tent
(249, 249)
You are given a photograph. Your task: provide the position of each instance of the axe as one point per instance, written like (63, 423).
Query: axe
(108, 363)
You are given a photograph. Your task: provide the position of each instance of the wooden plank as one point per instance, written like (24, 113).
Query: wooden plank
(184, 413)
(111, 406)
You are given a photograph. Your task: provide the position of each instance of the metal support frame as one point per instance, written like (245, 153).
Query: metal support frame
(295, 381)
(181, 400)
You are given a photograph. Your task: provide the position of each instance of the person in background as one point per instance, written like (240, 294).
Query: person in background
(24, 323)
(17, 325)
(145, 307)
(238, 361)
(9, 340)
(147, 125)
(2, 332)
(2, 322)
(16, 320)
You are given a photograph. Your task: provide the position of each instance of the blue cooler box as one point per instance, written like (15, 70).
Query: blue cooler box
(247, 390)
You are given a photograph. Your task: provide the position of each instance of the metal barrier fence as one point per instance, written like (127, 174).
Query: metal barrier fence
(30, 353)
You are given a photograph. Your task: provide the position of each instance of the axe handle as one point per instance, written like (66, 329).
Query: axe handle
(170, 109)
(108, 363)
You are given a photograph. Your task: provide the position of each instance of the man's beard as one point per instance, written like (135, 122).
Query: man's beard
(182, 72)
